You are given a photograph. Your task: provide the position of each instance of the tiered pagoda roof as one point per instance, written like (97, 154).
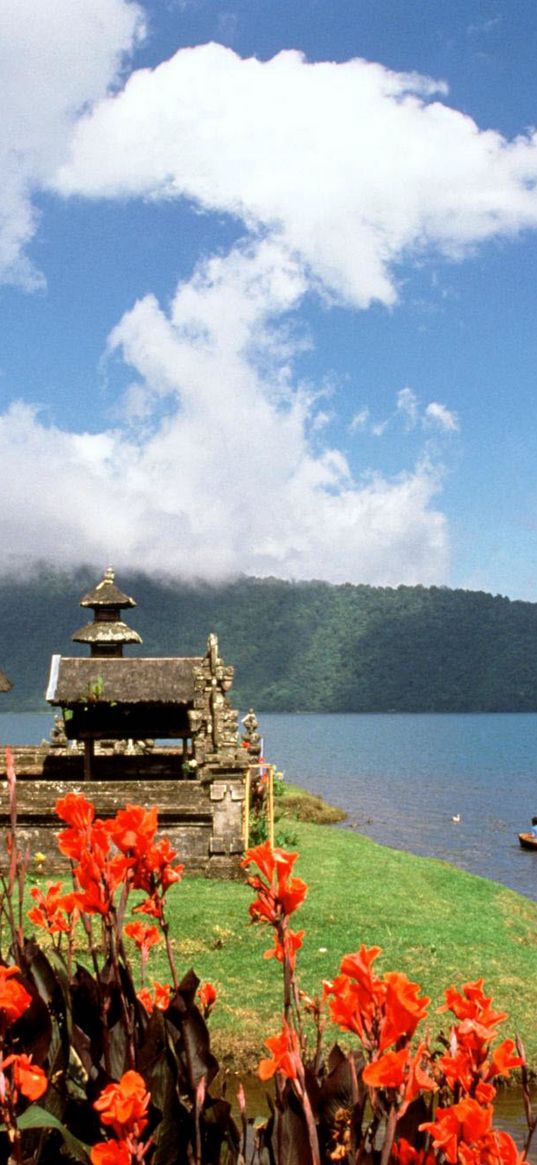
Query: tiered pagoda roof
(107, 634)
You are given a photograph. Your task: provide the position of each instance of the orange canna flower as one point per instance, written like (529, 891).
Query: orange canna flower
(466, 1122)
(279, 894)
(14, 998)
(292, 942)
(163, 992)
(458, 1068)
(146, 998)
(50, 909)
(388, 1071)
(474, 1009)
(358, 966)
(503, 1060)
(160, 997)
(285, 1055)
(401, 1070)
(27, 1077)
(405, 1154)
(99, 877)
(110, 1153)
(207, 996)
(133, 828)
(143, 935)
(124, 1105)
(403, 1009)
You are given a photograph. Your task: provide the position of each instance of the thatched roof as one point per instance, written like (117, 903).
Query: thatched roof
(121, 681)
(106, 594)
(104, 632)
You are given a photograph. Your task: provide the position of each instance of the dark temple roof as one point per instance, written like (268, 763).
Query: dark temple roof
(126, 681)
(106, 594)
(101, 632)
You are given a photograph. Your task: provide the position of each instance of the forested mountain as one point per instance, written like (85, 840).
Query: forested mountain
(309, 647)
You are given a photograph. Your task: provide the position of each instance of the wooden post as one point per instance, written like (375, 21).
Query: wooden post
(88, 757)
(247, 781)
(270, 804)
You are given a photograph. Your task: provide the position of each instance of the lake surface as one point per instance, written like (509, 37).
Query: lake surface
(401, 779)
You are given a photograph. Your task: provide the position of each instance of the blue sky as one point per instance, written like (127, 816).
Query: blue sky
(267, 288)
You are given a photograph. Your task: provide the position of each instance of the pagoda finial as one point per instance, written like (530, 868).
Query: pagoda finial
(108, 634)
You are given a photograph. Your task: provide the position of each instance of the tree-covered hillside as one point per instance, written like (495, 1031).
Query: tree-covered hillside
(297, 646)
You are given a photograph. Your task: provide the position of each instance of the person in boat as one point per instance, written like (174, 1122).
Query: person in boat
(534, 827)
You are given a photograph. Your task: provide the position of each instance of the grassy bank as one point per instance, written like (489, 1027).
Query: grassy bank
(438, 924)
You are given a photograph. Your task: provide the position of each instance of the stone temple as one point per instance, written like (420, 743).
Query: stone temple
(146, 729)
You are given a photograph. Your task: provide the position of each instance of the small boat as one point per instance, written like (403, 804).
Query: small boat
(528, 840)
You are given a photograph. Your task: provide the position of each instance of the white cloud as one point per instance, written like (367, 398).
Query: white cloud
(224, 479)
(442, 417)
(407, 406)
(409, 411)
(56, 58)
(359, 421)
(353, 167)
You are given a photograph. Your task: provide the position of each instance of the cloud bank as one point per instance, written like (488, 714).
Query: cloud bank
(227, 479)
(355, 168)
(219, 459)
(57, 57)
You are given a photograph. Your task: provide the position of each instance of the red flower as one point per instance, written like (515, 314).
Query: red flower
(146, 998)
(14, 998)
(79, 814)
(388, 1071)
(51, 908)
(503, 1060)
(123, 1106)
(152, 871)
(144, 936)
(403, 1009)
(75, 810)
(474, 1009)
(207, 995)
(466, 1122)
(292, 942)
(285, 1055)
(160, 998)
(279, 894)
(110, 1153)
(401, 1070)
(98, 878)
(133, 828)
(405, 1154)
(380, 1011)
(27, 1077)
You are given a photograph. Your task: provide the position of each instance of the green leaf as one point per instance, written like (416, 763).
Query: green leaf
(36, 1117)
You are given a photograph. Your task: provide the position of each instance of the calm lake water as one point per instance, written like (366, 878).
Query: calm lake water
(402, 778)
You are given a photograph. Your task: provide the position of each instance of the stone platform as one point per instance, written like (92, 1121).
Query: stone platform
(203, 819)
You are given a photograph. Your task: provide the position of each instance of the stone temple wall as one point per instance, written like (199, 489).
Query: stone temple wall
(203, 820)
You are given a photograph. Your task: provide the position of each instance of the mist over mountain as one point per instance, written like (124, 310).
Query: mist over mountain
(296, 647)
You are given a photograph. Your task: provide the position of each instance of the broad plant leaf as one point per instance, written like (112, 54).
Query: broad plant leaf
(192, 1047)
(36, 1117)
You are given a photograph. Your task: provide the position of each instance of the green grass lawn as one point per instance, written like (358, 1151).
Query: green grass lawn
(436, 923)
